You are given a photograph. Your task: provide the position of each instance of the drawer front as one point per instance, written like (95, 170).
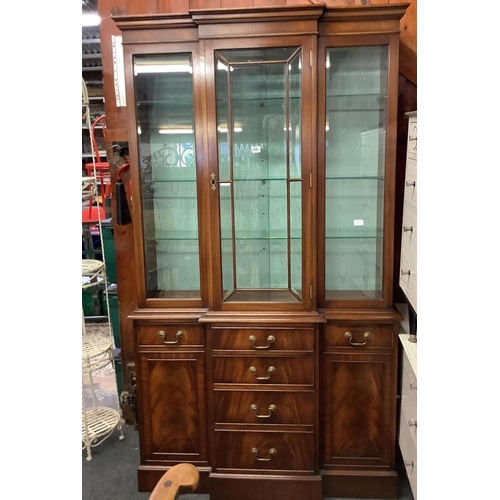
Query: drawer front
(409, 399)
(409, 286)
(409, 454)
(263, 370)
(411, 183)
(358, 336)
(411, 148)
(271, 451)
(263, 339)
(170, 335)
(409, 233)
(264, 407)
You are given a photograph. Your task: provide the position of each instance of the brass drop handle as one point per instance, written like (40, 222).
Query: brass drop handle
(270, 340)
(348, 335)
(272, 451)
(178, 335)
(213, 182)
(270, 370)
(271, 408)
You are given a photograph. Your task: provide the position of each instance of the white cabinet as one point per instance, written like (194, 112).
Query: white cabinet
(408, 264)
(407, 434)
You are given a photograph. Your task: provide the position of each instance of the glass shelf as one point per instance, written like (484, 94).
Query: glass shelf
(341, 234)
(360, 177)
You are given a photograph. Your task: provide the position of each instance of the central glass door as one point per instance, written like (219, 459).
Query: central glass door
(259, 176)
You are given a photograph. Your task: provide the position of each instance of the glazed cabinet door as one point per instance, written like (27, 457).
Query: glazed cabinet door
(357, 164)
(261, 165)
(165, 149)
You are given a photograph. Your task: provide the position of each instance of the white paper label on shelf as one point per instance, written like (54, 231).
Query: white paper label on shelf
(255, 149)
(359, 222)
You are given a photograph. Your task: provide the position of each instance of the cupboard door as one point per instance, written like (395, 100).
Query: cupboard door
(172, 406)
(260, 177)
(358, 403)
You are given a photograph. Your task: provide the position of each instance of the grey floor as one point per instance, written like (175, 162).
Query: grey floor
(112, 472)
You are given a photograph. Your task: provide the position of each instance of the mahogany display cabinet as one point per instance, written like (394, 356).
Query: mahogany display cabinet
(262, 150)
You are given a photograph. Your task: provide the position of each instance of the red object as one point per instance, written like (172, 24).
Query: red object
(102, 174)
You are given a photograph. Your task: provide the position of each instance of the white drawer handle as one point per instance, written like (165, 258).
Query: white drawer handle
(412, 423)
(409, 184)
(410, 463)
(413, 386)
(403, 272)
(408, 228)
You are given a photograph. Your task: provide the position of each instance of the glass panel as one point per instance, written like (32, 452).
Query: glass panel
(254, 108)
(165, 132)
(356, 114)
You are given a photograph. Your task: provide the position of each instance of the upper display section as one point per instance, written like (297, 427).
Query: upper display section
(263, 148)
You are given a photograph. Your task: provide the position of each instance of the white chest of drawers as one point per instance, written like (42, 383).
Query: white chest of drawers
(408, 263)
(407, 435)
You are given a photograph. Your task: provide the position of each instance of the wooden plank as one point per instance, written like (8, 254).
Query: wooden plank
(142, 6)
(166, 6)
(204, 4)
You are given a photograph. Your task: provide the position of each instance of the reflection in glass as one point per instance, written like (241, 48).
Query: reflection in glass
(259, 145)
(356, 115)
(165, 133)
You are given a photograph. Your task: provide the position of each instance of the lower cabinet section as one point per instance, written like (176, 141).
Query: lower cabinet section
(265, 411)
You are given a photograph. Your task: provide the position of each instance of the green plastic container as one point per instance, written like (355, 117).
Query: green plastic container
(108, 242)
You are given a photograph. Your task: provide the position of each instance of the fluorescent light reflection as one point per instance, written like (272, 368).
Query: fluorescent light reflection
(90, 20)
(224, 130)
(176, 131)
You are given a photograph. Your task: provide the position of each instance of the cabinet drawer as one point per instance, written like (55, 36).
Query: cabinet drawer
(356, 336)
(264, 407)
(411, 184)
(264, 339)
(258, 450)
(409, 454)
(170, 335)
(263, 370)
(408, 390)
